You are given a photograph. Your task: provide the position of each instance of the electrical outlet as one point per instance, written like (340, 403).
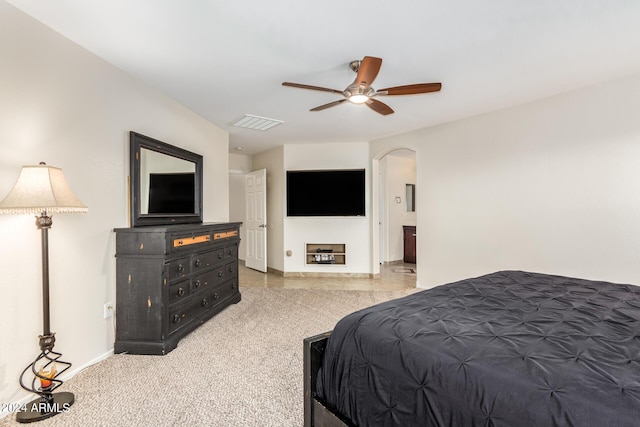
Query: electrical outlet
(108, 310)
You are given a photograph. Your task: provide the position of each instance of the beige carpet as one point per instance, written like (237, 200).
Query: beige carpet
(241, 368)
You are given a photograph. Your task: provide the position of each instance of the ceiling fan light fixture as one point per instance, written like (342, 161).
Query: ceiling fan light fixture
(361, 92)
(358, 98)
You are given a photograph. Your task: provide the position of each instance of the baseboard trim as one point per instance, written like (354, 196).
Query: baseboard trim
(321, 274)
(275, 271)
(317, 274)
(74, 372)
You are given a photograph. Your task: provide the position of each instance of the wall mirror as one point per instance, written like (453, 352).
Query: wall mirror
(165, 183)
(410, 197)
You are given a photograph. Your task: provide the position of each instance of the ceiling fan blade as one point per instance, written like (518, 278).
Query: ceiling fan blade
(411, 89)
(368, 70)
(331, 104)
(301, 86)
(379, 107)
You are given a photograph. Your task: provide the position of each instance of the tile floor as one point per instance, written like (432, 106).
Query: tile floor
(393, 277)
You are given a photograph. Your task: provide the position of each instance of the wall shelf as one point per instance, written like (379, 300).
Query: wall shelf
(325, 254)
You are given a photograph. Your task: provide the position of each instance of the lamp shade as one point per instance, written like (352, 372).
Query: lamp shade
(41, 188)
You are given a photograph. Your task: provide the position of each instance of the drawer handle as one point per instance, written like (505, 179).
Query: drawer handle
(233, 285)
(220, 273)
(232, 252)
(180, 292)
(220, 255)
(205, 302)
(197, 263)
(230, 269)
(215, 295)
(180, 268)
(196, 284)
(176, 318)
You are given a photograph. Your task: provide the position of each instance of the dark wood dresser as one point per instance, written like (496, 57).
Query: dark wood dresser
(409, 243)
(171, 279)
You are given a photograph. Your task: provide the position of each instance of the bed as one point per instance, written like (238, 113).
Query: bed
(510, 348)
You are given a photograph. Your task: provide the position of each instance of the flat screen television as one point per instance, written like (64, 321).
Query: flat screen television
(172, 193)
(329, 192)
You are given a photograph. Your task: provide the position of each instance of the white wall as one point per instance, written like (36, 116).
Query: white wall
(240, 163)
(354, 232)
(63, 105)
(551, 186)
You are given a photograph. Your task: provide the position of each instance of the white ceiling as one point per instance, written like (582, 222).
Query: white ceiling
(225, 58)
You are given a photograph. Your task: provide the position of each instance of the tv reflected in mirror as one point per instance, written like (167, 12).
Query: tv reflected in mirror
(171, 193)
(165, 183)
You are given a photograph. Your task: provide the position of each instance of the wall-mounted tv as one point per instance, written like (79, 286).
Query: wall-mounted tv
(329, 192)
(172, 193)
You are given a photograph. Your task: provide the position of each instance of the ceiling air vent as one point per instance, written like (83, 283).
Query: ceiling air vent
(249, 121)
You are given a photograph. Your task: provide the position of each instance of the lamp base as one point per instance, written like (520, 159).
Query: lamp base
(46, 407)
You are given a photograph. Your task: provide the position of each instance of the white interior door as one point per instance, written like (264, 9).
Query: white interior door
(255, 220)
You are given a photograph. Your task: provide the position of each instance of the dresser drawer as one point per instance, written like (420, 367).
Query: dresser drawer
(179, 291)
(204, 280)
(231, 269)
(178, 268)
(224, 291)
(205, 302)
(189, 242)
(231, 251)
(180, 316)
(206, 260)
(225, 272)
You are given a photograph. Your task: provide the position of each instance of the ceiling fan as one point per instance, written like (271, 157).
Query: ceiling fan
(361, 92)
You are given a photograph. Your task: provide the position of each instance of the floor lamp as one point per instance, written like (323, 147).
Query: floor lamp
(42, 190)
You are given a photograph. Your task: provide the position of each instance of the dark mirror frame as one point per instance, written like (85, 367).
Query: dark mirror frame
(410, 198)
(139, 219)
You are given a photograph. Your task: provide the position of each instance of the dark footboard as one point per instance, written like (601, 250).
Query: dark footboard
(315, 413)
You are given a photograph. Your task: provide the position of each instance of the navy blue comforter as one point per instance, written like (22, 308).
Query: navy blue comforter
(507, 349)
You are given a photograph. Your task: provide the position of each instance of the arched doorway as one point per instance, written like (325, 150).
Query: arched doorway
(392, 170)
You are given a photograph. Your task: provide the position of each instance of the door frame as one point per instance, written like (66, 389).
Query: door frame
(376, 200)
